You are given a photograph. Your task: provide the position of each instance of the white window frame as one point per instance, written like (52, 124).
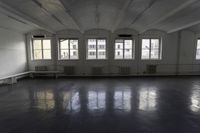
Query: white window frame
(41, 39)
(59, 48)
(159, 52)
(133, 49)
(97, 48)
(198, 40)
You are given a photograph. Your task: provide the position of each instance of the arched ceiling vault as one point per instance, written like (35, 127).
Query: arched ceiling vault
(82, 15)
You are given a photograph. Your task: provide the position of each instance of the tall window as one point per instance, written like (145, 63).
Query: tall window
(198, 50)
(68, 49)
(151, 49)
(41, 49)
(124, 49)
(96, 49)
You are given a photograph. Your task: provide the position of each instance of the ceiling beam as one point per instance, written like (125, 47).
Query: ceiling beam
(121, 15)
(10, 12)
(169, 14)
(184, 27)
(151, 3)
(68, 12)
(47, 12)
(97, 13)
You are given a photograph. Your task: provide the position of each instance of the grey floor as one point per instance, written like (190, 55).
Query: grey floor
(120, 105)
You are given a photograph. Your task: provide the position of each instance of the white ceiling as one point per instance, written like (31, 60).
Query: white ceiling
(82, 15)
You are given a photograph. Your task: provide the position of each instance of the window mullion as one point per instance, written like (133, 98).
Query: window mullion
(59, 49)
(33, 50)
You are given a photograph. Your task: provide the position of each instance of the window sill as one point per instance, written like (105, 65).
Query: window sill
(43, 60)
(151, 59)
(96, 59)
(69, 60)
(124, 59)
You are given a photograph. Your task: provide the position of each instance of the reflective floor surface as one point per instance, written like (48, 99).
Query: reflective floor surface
(120, 105)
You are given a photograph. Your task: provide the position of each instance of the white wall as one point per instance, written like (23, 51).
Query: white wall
(12, 53)
(169, 65)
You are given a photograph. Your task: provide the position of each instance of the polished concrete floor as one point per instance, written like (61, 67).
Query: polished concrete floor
(120, 105)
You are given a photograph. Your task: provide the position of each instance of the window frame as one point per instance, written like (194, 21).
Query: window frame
(42, 49)
(133, 48)
(198, 39)
(96, 48)
(159, 52)
(59, 49)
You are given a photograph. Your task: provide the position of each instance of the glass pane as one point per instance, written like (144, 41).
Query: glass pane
(91, 44)
(155, 49)
(101, 54)
(145, 54)
(64, 54)
(119, 49)
(118, 54)
(91, 54)
(119, 44)
(74, 44)
(128, 54)
(37, 54)
(73, 54)
(145, 48)
(101, 44)
(47, 54)
(46, 44)
(198, 44)
(37, 44)
(128, 44)
(64, 44)
(155, 54)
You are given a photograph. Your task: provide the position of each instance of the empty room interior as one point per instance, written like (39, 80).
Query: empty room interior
(99, 66)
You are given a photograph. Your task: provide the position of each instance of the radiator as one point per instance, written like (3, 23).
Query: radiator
(124, 70)
(151, 69)
(69, 70)
(97, 71)
(41, 68)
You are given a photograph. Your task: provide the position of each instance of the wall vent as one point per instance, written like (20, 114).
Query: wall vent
(39, 36)
(97, 70)
(125, 35)
(151, 69)
(69, 70)
(124, 70)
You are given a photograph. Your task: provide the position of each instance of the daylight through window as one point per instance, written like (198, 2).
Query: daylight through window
(151, 49)
(96, 49)
(68, 49)
(41, 49)
(124, 49)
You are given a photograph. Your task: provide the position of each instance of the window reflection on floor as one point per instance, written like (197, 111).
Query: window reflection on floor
(97, 100)
(71, 101)
(122, 100)
(195, 101)
(44, 100)
(147, 99)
